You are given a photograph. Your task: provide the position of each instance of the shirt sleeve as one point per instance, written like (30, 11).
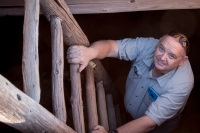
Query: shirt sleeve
(130, 49)
(167, 105)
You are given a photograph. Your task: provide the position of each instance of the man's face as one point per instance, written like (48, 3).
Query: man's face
(169, 54)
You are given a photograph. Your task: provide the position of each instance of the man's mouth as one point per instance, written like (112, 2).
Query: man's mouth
(161, 63)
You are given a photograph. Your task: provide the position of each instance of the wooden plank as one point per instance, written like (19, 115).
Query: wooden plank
(113, 6)
(91, 97)
(102, 109)
(30, 60)
(14, 11)
(58, 98)
(24, 114)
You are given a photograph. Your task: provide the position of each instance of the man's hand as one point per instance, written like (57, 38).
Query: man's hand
(99, 129)
(79, 55)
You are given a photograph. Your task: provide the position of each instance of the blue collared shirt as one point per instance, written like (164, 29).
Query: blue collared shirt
(173, 88)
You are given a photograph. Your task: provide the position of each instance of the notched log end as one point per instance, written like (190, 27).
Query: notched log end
(91, 63)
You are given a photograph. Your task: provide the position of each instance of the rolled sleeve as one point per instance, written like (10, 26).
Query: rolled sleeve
(130, 49)
(168, 104)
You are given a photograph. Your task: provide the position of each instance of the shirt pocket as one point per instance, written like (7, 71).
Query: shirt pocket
(135, 73)
(133, 80)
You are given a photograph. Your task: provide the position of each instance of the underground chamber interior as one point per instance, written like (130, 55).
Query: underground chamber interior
(100, 27)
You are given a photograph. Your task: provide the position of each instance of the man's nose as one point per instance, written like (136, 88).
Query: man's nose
(164, 56)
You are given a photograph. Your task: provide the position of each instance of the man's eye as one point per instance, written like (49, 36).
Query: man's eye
(161, 48)
(172, 56)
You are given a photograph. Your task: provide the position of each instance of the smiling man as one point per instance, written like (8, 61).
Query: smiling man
(159, 82)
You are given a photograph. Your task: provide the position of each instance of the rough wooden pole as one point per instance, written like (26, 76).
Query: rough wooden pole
(91, 98)
(23, 113)
(30, 64)
(58, 98)
(101, 103)
(111, 112)
(76, 99)
(118, 115)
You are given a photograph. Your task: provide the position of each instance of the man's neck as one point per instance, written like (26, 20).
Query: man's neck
(155, 73)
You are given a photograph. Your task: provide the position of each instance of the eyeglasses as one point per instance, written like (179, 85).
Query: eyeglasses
(182, 39)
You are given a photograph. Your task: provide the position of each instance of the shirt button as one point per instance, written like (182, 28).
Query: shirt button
(136, 96)
(129, 103)
(142, 86)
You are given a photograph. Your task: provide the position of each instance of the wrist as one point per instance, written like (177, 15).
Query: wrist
(93, 53)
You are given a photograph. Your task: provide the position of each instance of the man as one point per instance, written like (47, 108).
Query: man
(159, 82)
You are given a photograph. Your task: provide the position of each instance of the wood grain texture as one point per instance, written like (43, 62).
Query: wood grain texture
(30, 59)
(91, 98)
(58, 98)
(76, 99)
(24, 114)
(113, 6)
(102, 109)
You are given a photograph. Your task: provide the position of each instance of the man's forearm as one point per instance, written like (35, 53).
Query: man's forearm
(140, 125)
(104, 48)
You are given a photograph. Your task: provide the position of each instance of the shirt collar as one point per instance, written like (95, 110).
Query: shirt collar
(163, 80)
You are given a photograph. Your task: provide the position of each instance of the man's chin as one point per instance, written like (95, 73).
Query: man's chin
(160, 67)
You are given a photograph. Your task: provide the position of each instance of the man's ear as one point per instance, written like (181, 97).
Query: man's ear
(183, 60)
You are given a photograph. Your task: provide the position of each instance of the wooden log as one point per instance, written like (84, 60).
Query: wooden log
(24, 114)
(76, 99)
(111, 112)
(102, 109)
(91, 98)
(30, 64)
(58, 98)
(101, 74)
(118, 115)
(114, 6)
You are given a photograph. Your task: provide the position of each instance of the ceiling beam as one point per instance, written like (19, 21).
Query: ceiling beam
(106, 6)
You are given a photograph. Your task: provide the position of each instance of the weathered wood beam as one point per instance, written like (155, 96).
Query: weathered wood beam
(58, 98)
(101, 104)
(91, 97)
(30, 63)
(24, 114)
(12, 11)
(113, 6)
